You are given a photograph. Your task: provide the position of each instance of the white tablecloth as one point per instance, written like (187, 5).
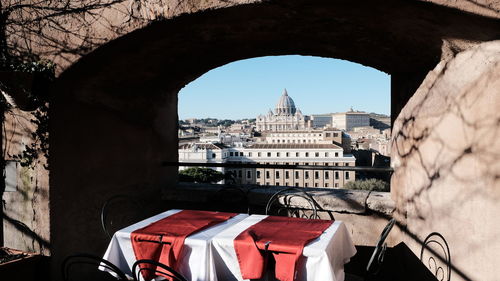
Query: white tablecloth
(325, 256)
(196, 262)
(209, 255)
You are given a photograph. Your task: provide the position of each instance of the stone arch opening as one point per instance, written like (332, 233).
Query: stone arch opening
(332, 108)
(114, 115)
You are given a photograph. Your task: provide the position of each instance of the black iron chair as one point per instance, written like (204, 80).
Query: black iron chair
(435, 255)
(124, 211)
(376, 261)
(377, 257)
(154, 268)
(292, 202)
(86, 267)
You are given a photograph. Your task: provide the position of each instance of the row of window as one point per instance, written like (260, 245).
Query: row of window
(279, 154)
(305, 184)
(293, 141)
(295, 135)
(297, 175)
(317, 174)
(328, 135)
(283, 127)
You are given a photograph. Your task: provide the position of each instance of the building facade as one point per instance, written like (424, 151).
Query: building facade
(285, 117)
(325, 136)
(351, 119)
(321, 120)
(293, 154)
(277, 154)
(202, 153)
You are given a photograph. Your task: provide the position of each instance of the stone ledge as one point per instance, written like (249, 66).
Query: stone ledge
(380, 202)
(330, 200)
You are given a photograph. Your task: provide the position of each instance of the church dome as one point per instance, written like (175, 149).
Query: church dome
(285, 105)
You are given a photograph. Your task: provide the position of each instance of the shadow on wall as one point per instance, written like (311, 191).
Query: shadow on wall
(445, 150)
(432, 261)
(25, 230)
(435, 255)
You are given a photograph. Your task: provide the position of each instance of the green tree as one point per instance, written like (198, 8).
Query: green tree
(225, 122)
(201, 175)
(369, 184)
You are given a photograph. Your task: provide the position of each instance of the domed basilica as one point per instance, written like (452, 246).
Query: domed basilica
(286, 117)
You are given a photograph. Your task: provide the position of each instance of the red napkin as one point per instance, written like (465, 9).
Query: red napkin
(173, 229)
(288, 236)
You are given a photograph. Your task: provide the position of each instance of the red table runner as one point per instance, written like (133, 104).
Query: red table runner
(287, 237)
(163, 240)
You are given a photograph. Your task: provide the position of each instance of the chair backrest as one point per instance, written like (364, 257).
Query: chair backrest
(292, 202)
(435, 255)
(88, 267)
(149, 269)
(377, 257)
(117, 212)
(231, 199)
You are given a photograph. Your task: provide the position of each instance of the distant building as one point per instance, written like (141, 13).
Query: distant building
(240, 128)
(285, 117)
(282, 154)
(366, 132)
(325, 136)
(380, 121)
(369, 138)
(211, 130)
(293, 154)
(210, 139)
(321, 120)
(202, 153)
(351, 119)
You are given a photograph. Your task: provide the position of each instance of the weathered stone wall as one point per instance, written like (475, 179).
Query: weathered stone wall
(66, 37)
(98, 152)
(26, 212)
(445, 153)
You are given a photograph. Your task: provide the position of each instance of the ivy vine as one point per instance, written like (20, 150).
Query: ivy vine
(29, 156)
(43, 72)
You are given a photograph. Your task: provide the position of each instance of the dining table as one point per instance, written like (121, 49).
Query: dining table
(234, 246)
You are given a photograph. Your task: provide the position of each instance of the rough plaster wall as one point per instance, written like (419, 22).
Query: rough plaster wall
(99, 153)
(445, 152)
(417, 22)
(487, 8)
(29, 204)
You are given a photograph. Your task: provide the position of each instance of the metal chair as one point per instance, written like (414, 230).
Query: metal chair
(377, 257)
(292, 202)
(400, 263)
(127, 212)
(435, 255)
(153, 269)
(89, 267)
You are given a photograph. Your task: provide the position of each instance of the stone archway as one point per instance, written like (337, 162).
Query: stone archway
(114, 115)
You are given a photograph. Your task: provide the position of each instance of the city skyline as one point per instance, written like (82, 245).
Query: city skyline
(247, 88)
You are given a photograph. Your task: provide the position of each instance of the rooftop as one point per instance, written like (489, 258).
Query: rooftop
(213, 146)
(294, 146)
(302, 131)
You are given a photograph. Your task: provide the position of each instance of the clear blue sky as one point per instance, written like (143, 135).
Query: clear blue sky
(247, 88)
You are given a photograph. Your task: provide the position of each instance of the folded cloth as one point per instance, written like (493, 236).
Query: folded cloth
(163, 240)
(285, 237)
